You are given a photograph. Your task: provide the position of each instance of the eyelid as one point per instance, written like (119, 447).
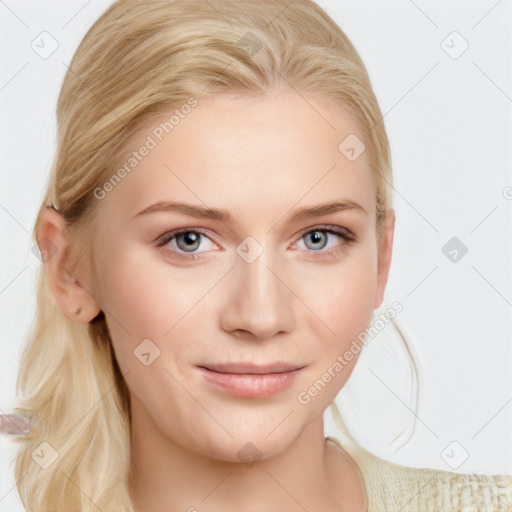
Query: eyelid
(328, 227)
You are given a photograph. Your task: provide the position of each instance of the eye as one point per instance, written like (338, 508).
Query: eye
(184, 242)
(317, 239)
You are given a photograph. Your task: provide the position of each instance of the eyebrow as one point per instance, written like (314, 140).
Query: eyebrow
(201, 212)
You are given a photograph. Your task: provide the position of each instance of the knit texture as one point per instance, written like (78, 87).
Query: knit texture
(395, 488)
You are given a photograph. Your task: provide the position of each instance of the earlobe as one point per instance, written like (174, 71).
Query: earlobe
(385, 253)
(71, 294)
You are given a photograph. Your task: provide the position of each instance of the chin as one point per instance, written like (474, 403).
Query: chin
(248, 450)
(250, 441)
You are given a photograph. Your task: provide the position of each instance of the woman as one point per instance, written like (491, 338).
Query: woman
(217, 229)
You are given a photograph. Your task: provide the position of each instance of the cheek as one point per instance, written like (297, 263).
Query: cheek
(134, 294)
(135, 304)
(145, 299)
(351, 306)
(343, 297)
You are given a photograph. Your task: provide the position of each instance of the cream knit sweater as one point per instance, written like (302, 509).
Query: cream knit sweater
(395, 488)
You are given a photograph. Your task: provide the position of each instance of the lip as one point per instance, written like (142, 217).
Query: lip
(248, 380)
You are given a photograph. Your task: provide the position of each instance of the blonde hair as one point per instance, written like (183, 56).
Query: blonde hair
(137, 61)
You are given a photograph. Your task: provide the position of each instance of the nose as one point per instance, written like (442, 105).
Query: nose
(258, 301)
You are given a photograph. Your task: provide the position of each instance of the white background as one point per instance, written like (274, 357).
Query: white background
(449, 124)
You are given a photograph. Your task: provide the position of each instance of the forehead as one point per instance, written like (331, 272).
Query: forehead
(241, 151)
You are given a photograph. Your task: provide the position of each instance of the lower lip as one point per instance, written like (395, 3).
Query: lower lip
(247, 385)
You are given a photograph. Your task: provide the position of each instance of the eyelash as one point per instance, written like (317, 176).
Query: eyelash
(348, 238)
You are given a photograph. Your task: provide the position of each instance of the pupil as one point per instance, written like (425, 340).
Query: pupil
(316, 237)
(190, 239)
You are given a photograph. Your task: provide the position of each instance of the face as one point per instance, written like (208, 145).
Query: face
(222, 320)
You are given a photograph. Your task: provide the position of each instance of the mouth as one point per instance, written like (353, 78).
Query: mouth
(248, 380)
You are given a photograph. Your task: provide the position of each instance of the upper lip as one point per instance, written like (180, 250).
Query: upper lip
(251, 368)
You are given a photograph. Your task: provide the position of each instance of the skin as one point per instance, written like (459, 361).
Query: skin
(261, 159)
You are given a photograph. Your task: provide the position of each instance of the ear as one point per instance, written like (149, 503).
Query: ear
(385, 251)
(71, 293)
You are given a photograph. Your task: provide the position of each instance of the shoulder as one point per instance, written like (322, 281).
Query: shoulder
(392, 487)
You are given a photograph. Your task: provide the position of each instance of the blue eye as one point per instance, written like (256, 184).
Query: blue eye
(317, 239)
(190, 240)
(185, 242)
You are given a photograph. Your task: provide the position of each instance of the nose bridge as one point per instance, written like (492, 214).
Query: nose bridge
(257, 277)
(260, 303)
